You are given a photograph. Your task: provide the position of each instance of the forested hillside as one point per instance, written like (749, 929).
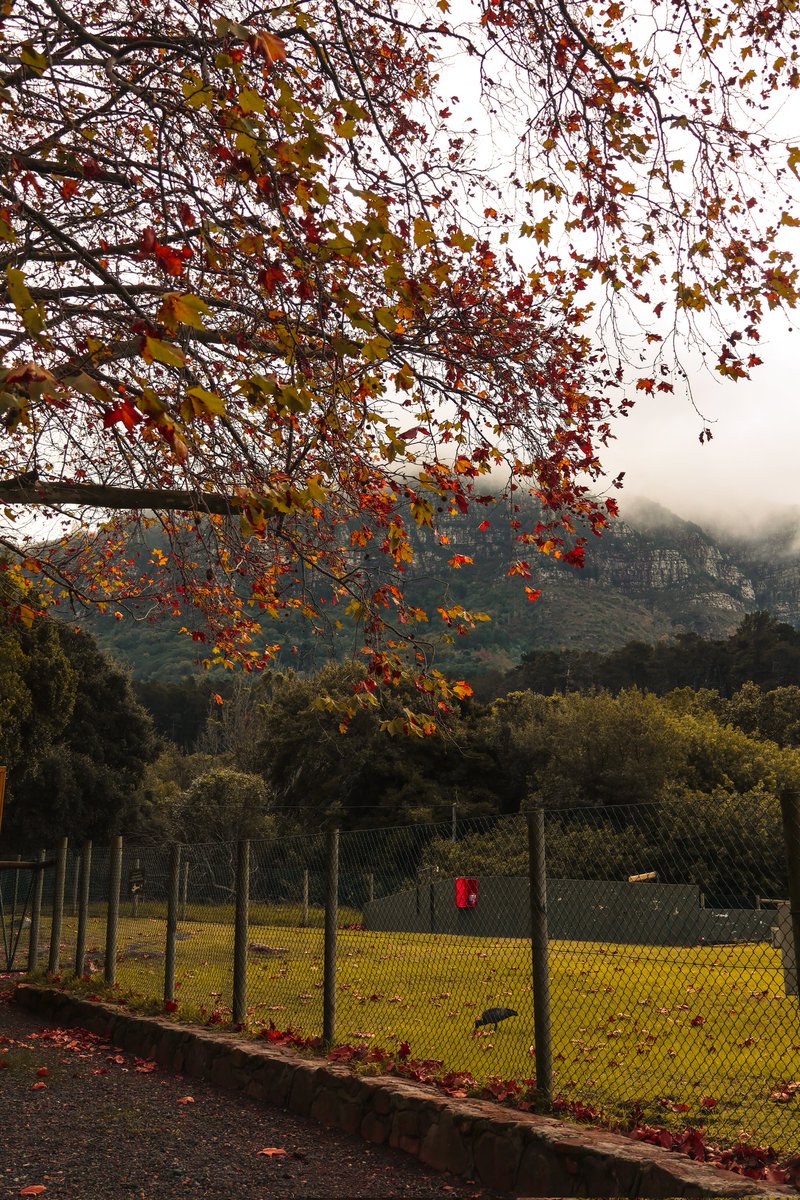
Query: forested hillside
(650, 579)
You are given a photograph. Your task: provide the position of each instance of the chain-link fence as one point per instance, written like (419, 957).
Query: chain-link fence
(657, 983)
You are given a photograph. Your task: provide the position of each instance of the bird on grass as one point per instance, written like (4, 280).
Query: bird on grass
(492, 1016)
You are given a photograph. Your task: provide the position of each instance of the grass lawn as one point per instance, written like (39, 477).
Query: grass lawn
(704, 1026)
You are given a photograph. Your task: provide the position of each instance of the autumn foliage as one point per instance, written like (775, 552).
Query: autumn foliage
(296, 280)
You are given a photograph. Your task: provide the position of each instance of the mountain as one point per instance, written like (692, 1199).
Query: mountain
(649, 577)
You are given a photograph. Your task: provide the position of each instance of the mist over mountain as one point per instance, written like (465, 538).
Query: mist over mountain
(650, 577)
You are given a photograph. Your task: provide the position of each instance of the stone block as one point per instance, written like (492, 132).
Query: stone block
(374, 1128)
(497, 1158)
(405, 1124)
(351, 1114)
(197, 1058)
(301, 1092)
(326, 1107)
(537, 1174)
(443, 1147)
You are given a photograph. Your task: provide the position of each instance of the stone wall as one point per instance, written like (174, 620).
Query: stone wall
(514, 1152)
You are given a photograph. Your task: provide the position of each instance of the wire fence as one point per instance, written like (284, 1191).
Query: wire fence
(657, 982)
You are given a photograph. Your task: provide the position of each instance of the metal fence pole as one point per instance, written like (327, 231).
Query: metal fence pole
(172, 921)
(137, 866)
(76, 876)
(790, 813)
(112, 919)
(371, 887)
(184, 889)
(83, 906)
(241, 918)
(58, 907)
(329, 957)
(541, 973)
(305, 898)
(36, 915)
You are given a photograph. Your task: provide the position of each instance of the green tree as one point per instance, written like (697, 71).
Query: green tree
(84, 747)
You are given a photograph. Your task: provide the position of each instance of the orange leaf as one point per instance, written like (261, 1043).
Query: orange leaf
(269, 47)
(39, 1085)
(35, 1189)
(186, 1100)
(271, 1151)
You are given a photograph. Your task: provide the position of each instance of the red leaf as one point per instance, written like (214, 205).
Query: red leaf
(170, 261)
(708, 1102)
(35, 1189)
(271, 1151)
(42, 1072)
(186, 1100)
(39, 1085)
(147, 241)
(68, 188)
(170, 1006)
(698, 1020)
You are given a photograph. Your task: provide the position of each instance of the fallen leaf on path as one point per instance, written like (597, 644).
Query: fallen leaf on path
(35, 1189)
(186, 1100)
(271, 1151)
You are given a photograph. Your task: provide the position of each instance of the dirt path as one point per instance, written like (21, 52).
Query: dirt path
(80, 1119)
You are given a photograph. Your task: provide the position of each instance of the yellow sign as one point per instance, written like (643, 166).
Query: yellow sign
(2, 792)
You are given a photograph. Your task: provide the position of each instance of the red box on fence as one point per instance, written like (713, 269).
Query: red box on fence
(466, 893)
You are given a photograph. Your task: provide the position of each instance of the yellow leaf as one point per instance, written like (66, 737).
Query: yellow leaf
(250, 101)
(177, 309)
(163, 352)
(32, 59)
(207, 402)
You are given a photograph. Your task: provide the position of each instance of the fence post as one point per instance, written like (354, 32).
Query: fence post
(305, 898)
(241, 919)
(112, 919)
(790, 813)
(36, 914)
(76, 877)
(329, 954)
(137, 866)
(371, 887)
(58, 907)
(184, 888)
(541, 973)
(172, 921)
(83, 906)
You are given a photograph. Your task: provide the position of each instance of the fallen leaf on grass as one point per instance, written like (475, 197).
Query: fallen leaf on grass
(42, 1072)
(39, 1085)
(35, 1189)
(271, 1151)
(186, 1100)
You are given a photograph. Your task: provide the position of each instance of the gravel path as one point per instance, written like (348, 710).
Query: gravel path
(80, 1119)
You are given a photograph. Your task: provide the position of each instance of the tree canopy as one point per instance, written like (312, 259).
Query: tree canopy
(298, 278)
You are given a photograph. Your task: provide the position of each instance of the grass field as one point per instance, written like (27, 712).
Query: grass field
(705, 1027)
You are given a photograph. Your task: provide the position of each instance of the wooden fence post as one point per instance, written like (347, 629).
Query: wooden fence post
(240, 933)
(58, 907)
(172, 921)
(112, 918)
(83, 906)
(36, 915)
(329, 953)
(539, 958)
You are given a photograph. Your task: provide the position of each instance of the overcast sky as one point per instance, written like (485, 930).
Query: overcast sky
(752, 464)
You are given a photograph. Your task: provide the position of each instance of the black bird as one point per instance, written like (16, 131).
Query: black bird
(491, 1016)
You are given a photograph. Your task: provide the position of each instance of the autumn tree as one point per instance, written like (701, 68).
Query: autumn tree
(293, 278)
